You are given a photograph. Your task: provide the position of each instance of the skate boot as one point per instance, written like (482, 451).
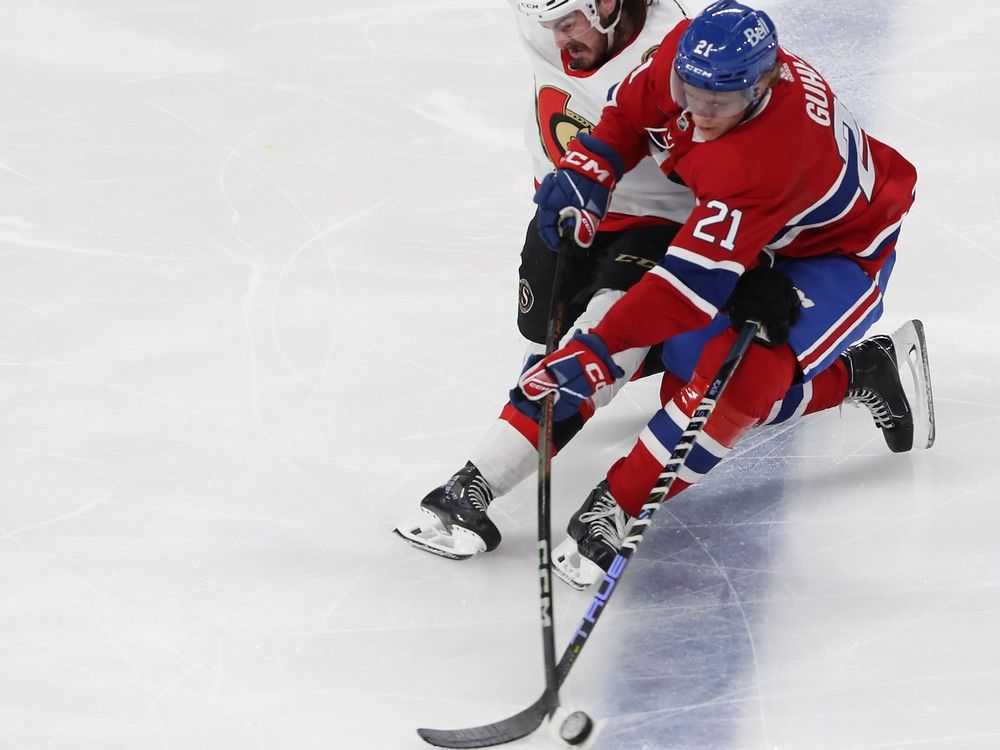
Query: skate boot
(873, 369)
(596, 532)
(454, 523)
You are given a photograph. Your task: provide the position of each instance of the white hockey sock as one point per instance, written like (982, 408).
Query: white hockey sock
(504, 457)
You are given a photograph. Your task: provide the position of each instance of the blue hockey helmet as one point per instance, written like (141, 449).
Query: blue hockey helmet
(727, 47)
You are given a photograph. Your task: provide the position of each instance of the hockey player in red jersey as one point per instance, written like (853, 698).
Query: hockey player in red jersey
(780, 169)
(579, 49)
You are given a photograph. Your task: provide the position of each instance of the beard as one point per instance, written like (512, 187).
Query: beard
(580, 54)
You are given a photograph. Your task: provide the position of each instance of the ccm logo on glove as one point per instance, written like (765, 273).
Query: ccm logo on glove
(587, 165)
(584, 179)
(597, 375)
(571, 374)
(552, 377)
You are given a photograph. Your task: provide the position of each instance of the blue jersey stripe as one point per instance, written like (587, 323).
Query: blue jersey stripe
(711, 285)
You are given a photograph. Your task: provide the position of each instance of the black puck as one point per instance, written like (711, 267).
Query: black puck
(576, 728)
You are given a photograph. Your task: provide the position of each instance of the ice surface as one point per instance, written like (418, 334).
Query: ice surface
(257, 282)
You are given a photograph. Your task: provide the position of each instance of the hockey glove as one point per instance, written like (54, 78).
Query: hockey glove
(518, 400)
(583, 180)
(573, 373)
(767, 295)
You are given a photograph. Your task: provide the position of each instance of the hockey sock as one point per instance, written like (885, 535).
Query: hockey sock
(825, 391)
(508, 452)
(503, 456)
(632, 478)
(763, 375)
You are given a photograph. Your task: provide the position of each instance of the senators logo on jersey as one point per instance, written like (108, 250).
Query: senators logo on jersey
(557, 123)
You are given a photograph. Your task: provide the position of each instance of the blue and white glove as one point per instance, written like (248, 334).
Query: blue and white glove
(582, 181)
(573, 373)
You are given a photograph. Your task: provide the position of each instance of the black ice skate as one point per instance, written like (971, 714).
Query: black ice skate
(873, 369)
(596, 532)
(454, 523)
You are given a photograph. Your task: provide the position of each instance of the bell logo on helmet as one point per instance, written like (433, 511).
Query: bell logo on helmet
(757, 34)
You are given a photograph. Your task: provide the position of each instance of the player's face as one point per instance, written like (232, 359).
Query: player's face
(714, 112)
(711, 128)
(575, 34)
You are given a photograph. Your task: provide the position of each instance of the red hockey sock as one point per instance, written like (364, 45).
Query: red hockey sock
(828, 388)
(562, 432)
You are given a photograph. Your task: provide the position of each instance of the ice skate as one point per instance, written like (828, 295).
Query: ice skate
(596, 532)
(904, 414)
(454, 522)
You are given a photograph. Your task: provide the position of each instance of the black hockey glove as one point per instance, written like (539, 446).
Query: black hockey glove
(767, 295)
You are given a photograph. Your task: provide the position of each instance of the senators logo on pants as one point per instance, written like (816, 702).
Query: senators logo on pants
(525, 297)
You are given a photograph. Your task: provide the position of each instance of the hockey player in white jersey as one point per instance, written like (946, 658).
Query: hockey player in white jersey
(579, 50)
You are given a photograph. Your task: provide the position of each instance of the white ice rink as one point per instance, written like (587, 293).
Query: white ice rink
(257, 293)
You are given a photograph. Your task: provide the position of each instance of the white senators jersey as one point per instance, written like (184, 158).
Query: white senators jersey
(568, 101)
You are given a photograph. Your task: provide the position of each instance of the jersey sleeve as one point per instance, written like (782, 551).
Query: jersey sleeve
(634, 103)
(725, 233)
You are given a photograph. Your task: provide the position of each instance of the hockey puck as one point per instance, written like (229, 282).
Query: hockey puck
(576, 728)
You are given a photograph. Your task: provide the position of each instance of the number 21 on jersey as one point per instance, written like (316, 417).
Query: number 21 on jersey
(720, 226)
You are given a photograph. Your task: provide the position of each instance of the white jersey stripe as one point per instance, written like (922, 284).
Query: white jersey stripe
(820, 340)
(794, 230)
(807, 394)
(880, 238)
(662, 456)
(698, 301)
(699, 260)
(705, 440)
(835, 343)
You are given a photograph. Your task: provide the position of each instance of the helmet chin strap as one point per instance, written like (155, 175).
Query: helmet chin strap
(609, 30)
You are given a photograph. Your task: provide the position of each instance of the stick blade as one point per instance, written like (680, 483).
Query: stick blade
(509, 729)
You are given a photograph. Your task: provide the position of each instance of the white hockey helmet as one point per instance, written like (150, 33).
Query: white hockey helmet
(548, 11)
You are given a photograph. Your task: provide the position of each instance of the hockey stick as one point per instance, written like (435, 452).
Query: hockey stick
(527, 721)
(557, 310)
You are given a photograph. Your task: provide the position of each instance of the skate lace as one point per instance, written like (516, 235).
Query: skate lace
(606, 521)
(477, 492)
(875, 404)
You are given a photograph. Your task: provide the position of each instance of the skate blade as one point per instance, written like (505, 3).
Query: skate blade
(430, 535)
(911, 347)
(573, 568)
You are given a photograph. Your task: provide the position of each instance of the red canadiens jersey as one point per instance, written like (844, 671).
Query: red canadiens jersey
(798, 177)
